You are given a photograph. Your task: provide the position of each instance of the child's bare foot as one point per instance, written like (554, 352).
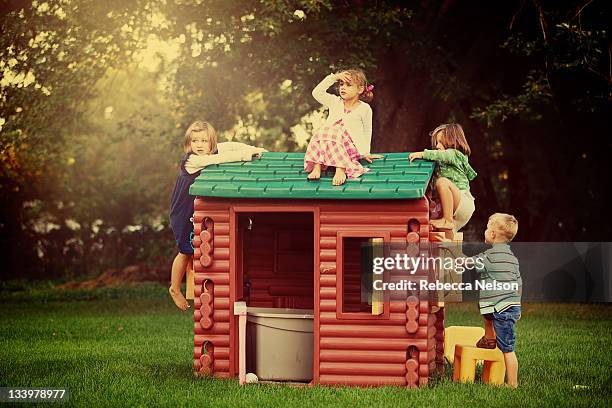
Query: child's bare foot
(179, 299)
(443, 224)
(339, 177)
(315, 174)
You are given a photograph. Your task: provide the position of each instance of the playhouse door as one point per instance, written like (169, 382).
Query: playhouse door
(274, 267)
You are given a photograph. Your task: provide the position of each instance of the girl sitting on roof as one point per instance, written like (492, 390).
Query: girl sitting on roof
(346, 135)
(454, 175)
(201, 150)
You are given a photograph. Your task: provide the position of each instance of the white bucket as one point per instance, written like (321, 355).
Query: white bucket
(280, 343)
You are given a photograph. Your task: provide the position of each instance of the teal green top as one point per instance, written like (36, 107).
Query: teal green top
(281, 175)
(453, 165)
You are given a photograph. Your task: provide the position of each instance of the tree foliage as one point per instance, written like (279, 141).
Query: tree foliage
(52, 53)
(89, 141)
(257, 62)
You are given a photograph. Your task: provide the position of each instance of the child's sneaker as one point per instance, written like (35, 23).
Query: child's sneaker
(486, 343)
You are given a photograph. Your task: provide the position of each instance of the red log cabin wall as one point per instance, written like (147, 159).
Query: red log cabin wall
(395, 348)
(279, 246)
(212, 311)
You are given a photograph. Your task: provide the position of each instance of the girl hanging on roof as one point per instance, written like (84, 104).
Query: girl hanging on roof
(453, 176)
(346, 135)
(201, 150)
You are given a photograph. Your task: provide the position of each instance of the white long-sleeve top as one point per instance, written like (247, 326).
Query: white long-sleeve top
(358, 122)
(227, 152)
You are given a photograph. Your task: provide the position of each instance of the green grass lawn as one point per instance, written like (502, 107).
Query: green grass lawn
(128, 347)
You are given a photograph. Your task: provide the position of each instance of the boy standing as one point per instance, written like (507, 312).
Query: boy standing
(501, 308)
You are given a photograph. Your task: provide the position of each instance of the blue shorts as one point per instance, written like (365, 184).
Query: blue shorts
(504, 322)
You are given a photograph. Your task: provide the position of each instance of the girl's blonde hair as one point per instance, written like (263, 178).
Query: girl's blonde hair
(359, 77)
(200, 126)
(452, 138)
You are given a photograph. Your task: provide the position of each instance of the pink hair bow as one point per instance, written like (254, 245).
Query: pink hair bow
(370, 88)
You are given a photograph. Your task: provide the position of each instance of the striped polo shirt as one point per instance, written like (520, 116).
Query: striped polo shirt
(501, 269)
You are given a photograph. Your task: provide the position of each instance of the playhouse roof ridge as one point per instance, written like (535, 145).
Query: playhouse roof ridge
(281, 175)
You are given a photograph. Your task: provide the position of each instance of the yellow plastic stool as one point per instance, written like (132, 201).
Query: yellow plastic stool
(464, 369)
(465, 335)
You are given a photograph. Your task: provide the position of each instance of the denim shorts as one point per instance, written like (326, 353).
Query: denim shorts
(504, 322)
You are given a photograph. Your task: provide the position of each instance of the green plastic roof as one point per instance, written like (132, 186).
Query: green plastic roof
(281, 175)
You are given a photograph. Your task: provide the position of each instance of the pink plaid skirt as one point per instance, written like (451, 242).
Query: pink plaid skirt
(333, 146)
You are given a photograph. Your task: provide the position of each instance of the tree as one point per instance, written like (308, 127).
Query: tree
(257, 62)
(51, 55)
(528, 80)
(433, 62)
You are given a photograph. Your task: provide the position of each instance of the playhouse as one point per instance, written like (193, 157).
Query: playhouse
(270, 244)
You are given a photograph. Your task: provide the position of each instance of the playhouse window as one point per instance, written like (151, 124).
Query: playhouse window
(358, 295)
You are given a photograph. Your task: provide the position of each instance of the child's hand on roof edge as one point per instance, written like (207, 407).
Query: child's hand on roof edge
(370, 157)
(415, 155)
(257, 151)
